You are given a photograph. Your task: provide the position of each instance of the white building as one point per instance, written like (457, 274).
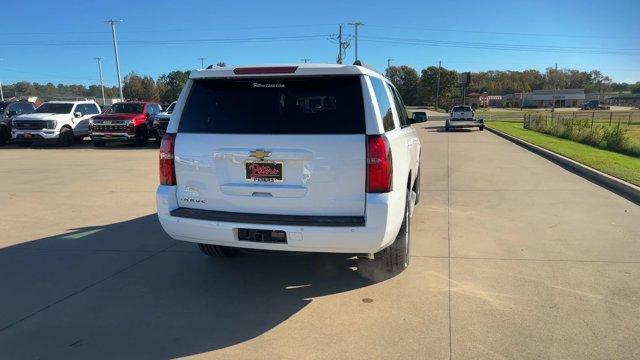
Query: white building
(562, 97)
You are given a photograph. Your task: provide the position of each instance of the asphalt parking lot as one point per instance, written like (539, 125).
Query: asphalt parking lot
(512, 257)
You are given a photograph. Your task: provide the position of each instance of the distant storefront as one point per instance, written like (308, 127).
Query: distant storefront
(625, 100)
(477, 100)
(551, 98)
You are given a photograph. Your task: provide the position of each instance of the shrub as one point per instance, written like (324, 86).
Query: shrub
(613, 138)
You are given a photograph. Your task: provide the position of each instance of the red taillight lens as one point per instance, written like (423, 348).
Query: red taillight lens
(379, 165)
(265, 70)
(167, 165)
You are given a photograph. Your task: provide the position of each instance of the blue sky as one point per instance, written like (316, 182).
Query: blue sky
(59, 40)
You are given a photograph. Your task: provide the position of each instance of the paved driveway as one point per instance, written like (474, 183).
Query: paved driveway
(512, 257)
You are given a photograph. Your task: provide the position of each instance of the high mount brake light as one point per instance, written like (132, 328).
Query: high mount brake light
(265, 70)
(379, 165)
(167, 164)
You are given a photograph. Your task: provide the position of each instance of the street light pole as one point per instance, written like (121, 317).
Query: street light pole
(202, 62)
(438, 85)
(104, 101)
(1, 93)
(355, 25)
(306, 60)
(555, 88)
(389, 63)
(115, 50)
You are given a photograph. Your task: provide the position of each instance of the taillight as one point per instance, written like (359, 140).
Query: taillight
(379, 165)
(167, 165)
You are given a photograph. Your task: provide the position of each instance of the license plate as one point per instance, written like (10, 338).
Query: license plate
(263, 171)
(26, 136)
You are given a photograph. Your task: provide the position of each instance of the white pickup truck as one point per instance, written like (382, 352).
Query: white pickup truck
(463, 116)
(63, 122)
(307, 157)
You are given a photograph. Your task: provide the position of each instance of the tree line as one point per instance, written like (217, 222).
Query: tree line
(421, 89)
(166, 88)
(415, 89)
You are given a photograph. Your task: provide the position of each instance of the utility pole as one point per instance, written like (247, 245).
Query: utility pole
(115, 50)
(555, 87)
(438, 85)
(305, 60)
(104, 101)
(1, 93)
(202, 62)
(389, 63)
(355, 26)
(340, 44)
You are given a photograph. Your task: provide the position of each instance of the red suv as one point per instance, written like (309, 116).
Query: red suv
(123, 122)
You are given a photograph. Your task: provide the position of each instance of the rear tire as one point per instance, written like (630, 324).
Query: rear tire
(66, 137)
(217, 251)
(395, 257)
(141, 137)
(481, 128)
(5, 135)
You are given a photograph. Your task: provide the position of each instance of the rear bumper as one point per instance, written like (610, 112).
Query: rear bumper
(464, 123)
(346, 234)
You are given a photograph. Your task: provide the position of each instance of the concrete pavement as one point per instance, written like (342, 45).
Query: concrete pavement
(512, 257)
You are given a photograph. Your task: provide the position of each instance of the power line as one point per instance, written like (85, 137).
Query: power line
(48, 74)
(504, 46)
(497, 32)
(163, 30)
(169, 41)
(510, 45)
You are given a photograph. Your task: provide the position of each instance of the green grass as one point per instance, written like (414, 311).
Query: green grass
(602, 119)
(621, 166)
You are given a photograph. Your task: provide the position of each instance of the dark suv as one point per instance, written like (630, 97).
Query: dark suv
(9, 109)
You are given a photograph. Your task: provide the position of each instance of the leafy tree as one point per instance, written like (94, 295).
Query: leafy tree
(429, 85)
(170, 85)
(405, 80)
(221, 64)
(139, 88)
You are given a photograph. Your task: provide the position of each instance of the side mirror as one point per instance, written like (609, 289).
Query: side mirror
(11, 113)
(77, 114)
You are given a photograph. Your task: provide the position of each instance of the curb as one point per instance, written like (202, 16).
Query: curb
(620, 187)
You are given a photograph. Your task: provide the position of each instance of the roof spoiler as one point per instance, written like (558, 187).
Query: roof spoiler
(364, 65)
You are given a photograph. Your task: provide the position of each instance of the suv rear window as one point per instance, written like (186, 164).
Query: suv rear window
(291, 105)
(461, 108)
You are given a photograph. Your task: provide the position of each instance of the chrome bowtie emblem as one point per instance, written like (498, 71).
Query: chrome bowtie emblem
(260, 154)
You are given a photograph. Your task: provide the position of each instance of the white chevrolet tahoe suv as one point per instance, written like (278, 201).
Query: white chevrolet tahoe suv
(59, 121)
(311, 158)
